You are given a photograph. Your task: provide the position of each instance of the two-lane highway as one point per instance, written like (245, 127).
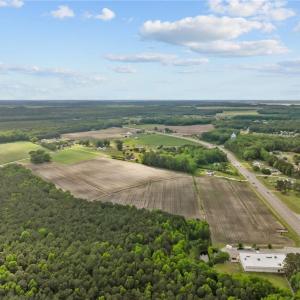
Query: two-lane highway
(291, 218)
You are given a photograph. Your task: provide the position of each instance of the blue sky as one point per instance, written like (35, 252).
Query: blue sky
(214, 49)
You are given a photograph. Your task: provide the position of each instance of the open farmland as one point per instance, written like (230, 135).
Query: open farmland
(185, 130)
(96, 178)
(10, 152)
(112, 133)
(235, 214)
(74, 154)
(156, 139)
(175, 196)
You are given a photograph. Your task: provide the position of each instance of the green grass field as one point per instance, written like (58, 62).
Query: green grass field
(231, 113)
(235, 268)
(10, 152)
(157, 140)
(291, 198)
(74, 155)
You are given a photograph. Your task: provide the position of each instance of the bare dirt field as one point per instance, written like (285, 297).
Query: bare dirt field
(102, 176)
(175, 196)
(235, 214)
(113, 132)
(188, 129)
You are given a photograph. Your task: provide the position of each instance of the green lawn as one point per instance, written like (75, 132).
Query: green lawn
(291, 198)
(157, 140)
(74, 155)
(10, 152)
(235, 268)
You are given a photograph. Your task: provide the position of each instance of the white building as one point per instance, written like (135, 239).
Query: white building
(233, 136)
(262, 262)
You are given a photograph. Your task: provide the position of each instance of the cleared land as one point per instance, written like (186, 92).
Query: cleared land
(10, 152)
(176, 196)
(113, 132)
(74, 155)
(236, 214)
(186, 130)
(156, 139)
(99, 177)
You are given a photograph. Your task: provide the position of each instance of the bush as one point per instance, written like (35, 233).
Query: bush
(266, 171)
(39, 156)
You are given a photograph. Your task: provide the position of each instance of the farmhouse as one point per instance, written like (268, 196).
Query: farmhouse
(262, 262)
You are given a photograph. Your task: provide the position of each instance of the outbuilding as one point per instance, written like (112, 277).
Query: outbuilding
(262, 262)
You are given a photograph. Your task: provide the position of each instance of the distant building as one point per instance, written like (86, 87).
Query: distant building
(233, 136)
(234, 255)
(262, 262)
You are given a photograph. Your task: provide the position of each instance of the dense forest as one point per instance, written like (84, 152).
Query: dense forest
(186, 158)
(53, 246)
(21, 120)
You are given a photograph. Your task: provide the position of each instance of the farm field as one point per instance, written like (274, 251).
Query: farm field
(102, 176)
(156, 139)
(175, 196)
(236, 214)
(180, 130)
(10, 152)
(232, 113)
(74, 155)
(113, 133)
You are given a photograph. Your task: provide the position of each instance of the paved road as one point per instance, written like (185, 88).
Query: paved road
(291, 218)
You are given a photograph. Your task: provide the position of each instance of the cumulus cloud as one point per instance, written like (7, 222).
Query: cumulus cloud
(200, 29)
(275, 10)
(105, 15)
(287, 67)
(124, 69)
(62, 12)
(11, 3)
(162, 58)
(52, 72)
(213, 35)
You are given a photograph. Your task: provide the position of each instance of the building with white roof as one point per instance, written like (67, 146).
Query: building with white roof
(262, 262)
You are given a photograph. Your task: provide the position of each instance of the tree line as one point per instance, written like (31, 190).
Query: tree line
(187, 158)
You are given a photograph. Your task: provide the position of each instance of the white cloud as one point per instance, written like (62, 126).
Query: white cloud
(11, 3)
(214, 35)
(297, 27)
(164, 59)
(106, 15)
(58, 73)
(287, 67)
(200, 29)
(124, 69)
(62, 12)
(235, 48)
(275, 10)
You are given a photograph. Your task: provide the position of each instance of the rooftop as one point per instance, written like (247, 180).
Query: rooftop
(262, 260)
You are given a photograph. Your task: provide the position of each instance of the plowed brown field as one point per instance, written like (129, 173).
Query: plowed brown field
(235, 214)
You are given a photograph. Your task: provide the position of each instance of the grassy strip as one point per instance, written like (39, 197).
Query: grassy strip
(235, 268)
(291, 233)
